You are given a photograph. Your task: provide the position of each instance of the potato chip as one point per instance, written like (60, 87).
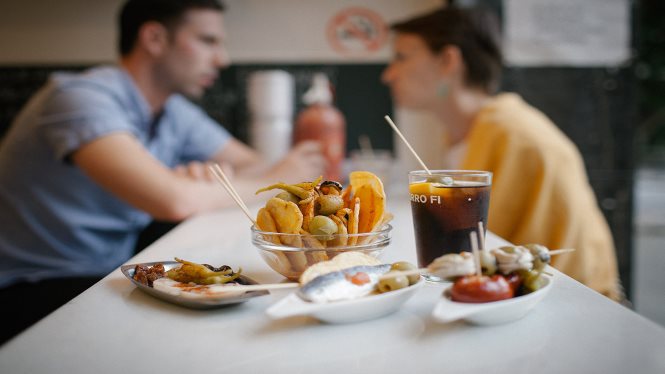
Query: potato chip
(347, 197)
(287, 215)
(265, 223)
(298, 261)
(288, 220)
(314, 257)
(307, 210)
(310, 241)
(369, 188)
(341, 239)
(353, 222)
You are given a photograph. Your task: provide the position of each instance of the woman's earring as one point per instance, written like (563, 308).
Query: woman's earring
(443, 89)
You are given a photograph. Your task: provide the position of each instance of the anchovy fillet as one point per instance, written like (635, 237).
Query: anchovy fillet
(336, 285)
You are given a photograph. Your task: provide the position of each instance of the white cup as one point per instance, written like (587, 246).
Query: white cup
(270, 104)
(271, 138)
(270, 94)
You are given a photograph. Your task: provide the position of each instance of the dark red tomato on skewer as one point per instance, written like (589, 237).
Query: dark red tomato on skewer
(481, 289)
(515, 282)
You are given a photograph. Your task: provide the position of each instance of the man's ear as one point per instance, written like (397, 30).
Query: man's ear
(451, 61)
(153, 37)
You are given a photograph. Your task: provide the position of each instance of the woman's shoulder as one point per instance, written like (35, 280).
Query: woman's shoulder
(509, 121)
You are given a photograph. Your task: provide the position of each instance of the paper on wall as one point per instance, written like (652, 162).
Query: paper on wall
(566, 32)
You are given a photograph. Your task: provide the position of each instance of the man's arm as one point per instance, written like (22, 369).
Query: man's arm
(121, 165)
(304, 162)
(239, 156)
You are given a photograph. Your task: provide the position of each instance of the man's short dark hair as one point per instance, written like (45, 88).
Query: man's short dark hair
(167, 12)
(475, 31)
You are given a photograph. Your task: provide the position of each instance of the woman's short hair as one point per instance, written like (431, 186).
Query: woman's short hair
(475, 31)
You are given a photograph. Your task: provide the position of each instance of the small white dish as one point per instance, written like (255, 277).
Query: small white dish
(346, 311)
(492, 313)
(183, 299)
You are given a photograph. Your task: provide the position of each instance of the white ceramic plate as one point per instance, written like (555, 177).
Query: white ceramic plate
(347, 311)
(492, 313)
(198, 303)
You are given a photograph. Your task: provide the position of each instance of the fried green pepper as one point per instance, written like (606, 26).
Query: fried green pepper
(200, 274)
(298, 191)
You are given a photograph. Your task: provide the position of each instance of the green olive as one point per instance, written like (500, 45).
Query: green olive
(288, 196)
(541, 255)
(533, 281)
(406, 266)
(330, 204)
(323, 226)
(393, 283)
(508, 249)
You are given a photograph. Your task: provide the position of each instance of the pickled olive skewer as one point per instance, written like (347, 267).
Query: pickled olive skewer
(507, 259)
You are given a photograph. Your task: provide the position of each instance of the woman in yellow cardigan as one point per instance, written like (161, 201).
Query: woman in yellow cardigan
(449, 62)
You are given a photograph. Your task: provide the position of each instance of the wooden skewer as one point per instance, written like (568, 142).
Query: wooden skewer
(481, 236)
(392, 124)
(476, 253)
(561, 251)
(226, 183)
(219, 171)
(262, 287)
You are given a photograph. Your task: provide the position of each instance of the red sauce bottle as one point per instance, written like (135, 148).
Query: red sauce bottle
(321, 121)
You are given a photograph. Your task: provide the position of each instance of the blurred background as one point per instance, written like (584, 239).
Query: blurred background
(596, 67)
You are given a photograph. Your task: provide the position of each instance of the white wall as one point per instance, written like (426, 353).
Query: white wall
(83, 31)
(57, 32)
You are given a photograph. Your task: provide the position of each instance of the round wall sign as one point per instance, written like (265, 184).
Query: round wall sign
(356, 31)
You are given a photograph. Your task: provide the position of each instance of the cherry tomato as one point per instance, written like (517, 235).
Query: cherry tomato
(515, 282)
(481, 289)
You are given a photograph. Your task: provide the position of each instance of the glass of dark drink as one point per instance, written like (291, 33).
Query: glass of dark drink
(447, 206)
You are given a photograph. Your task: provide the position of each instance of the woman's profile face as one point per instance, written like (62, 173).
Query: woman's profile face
(414, 74)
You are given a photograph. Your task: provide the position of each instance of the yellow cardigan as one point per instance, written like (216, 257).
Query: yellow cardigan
(540, 192)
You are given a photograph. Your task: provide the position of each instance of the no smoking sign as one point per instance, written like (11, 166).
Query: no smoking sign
(356, 31)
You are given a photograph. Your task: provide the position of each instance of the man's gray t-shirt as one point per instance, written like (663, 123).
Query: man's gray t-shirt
(54, 220)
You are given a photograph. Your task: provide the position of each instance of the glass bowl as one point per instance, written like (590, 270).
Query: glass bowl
(291, 254)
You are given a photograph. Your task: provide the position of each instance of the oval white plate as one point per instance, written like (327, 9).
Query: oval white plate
(492, 313)
(346, 311)
(200, 303)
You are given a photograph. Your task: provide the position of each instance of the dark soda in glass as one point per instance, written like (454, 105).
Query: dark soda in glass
(445, 214)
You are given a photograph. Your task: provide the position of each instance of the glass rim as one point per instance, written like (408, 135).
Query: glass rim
(452, 172)
(386, 228)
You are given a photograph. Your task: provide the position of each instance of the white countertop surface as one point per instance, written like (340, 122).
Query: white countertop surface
(113, 327)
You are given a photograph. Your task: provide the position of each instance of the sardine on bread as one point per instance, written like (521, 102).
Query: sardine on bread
(339, 262)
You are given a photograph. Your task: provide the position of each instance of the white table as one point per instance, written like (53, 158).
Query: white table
(115, 328)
